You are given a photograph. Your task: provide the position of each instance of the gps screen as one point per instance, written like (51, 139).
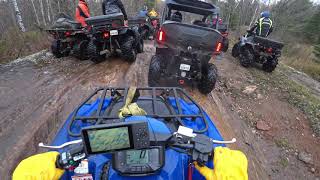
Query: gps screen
(109, 139)
(137, 157)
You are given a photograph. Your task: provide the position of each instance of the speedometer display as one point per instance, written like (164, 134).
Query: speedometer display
(137, 157)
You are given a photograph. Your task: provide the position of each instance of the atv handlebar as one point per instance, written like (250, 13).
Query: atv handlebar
(198, 146)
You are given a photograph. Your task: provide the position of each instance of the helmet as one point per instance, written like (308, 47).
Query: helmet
(265, 14)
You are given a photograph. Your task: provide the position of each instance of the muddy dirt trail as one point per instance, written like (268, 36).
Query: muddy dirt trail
(39, 92)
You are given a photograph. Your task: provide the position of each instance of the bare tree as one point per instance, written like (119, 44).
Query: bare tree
(42, 13)
(48, 10)
(35, 12)
(18, 16)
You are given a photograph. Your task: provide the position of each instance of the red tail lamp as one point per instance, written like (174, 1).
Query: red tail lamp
(161, 36)
(181, 81)
(105, 35)
(67, 34)
(269, 50)
(218, 48)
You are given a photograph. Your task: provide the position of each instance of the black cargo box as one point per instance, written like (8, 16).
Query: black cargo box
(104, 19)
(180, 35)
(268, 43)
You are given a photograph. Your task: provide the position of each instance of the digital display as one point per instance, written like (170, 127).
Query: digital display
(109, 139)
(137, 157)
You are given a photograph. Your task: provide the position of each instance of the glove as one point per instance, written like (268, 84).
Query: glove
(38, 167)
(228, 165)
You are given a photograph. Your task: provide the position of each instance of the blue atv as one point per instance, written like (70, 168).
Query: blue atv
(94, 143)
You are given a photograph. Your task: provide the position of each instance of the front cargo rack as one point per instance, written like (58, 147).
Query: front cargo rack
(156, 96)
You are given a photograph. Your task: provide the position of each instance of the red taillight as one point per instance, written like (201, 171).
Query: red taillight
(161, 36)
(269, 50)
(67, 34)
(218, 48)
(105, 35)
(181, 82)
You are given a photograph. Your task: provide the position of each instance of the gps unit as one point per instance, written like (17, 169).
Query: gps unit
(116, 137)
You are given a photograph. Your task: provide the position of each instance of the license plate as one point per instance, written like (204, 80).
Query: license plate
(185, 67)
(114, 33)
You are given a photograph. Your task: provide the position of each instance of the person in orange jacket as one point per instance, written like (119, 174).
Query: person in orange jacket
(82, 12)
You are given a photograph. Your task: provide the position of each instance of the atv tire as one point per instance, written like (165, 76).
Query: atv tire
(236, 50)
(56, 48)
(94, 54)
(246, 57)
(270, 65)
(128, 52)
(154, 71)
(208, 79)
(81, 52)
(140, 46)
(225, 44)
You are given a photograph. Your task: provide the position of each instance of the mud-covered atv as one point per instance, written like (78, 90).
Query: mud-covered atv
(109, 36)
(69, 38)
(254, 49)
(183, 51)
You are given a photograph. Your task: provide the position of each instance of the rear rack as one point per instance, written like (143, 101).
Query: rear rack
(164, 93)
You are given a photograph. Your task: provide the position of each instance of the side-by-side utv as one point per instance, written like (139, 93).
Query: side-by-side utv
(184, 48)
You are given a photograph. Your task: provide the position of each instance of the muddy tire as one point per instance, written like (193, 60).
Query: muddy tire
(81, 51)
(208, 80)
(270, 66)
(56, 48)
(236, 50)
(225, 44)
(93, 53)
(145, 33)
(140, 46)
(154, 71)
(246, 58)
(128, 52)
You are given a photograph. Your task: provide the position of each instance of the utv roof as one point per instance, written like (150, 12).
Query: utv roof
(193, 6)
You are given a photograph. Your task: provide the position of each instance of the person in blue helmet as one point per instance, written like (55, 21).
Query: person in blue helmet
(263, 27)
(143, 12)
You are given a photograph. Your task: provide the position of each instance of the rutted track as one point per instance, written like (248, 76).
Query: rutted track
(39, 92)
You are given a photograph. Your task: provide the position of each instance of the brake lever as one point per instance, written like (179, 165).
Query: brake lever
(224, 142)
(61, 146)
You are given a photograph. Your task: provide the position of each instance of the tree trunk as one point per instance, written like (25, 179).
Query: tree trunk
(42, 13)
(35, 12)
(48, 10)
(18, 16)
(254, 15)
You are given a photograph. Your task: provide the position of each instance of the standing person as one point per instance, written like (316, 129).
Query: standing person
(263, 26)
(143, 12)
(82, 12)
(114, 6)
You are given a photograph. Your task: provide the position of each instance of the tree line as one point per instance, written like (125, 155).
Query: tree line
(294, 20)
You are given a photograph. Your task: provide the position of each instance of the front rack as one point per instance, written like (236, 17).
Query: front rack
(156, 93)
